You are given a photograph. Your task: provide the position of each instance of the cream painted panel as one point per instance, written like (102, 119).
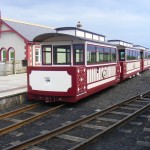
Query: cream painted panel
(133, 71)
(88, 35)
(10, 39)
(146, 63)
(80, 33)
(54, 81)
(133, 65)
(70, 32)
(100, 82)
(102, 74)
(102, 38)
(95, 37)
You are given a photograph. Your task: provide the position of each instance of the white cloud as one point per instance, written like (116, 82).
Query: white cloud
(121, 19)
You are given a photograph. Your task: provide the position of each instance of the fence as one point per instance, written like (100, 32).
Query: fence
(7, 68)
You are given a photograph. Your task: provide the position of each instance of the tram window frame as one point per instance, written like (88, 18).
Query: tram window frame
(132, 54)
(57, 50)
(46, 54)
(99, 54)
(78, 54)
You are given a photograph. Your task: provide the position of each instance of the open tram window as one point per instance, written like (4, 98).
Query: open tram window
(122, 55)
(62, 54)
(46, 55)
(78, 54)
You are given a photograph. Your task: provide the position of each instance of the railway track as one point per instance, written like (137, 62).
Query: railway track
(100, 122)
(18, 111)
(20, 123)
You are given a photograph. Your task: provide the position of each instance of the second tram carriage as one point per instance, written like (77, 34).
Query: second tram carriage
(129, 58)
(77, 63)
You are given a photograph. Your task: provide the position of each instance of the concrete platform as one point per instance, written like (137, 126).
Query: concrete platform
(13, 90)
(13, 84)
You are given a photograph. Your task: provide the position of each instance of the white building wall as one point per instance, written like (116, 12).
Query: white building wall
(8, 40)
(11, 39)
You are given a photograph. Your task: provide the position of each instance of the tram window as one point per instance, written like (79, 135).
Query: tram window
(122, 55)
(128, 55)
(46, 55)
(78, 54)
(91, 54)
(139, 54)
(148, 54)
(62, 54)
(133, 54)
(113, 55)
(100, 54)
(91, 57)
(107, 55)
(145, 54)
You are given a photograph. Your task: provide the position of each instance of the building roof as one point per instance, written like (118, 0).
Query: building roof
(28, 30)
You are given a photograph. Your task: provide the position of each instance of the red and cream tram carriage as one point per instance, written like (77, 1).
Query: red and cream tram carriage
(129, 58)
(145, 57)
(75, 64)
(146, 60)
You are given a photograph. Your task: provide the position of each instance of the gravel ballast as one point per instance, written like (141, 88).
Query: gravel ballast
(70, 112)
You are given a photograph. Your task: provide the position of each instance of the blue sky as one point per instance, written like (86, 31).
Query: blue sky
(127, 20)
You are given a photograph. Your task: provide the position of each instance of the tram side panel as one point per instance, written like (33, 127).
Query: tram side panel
(69, 84)
(146, 64)
(101, 77)
(51, 84)
(129, 68)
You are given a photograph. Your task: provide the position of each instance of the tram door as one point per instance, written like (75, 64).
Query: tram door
(122, 59)
(142, 60)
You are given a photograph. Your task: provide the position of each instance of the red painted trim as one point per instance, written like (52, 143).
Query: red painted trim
(0, 25)
(7, 31)
(3, 48)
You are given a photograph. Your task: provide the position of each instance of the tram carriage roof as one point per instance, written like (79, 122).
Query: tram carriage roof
(79, 29)
(123, 44)
(42, 37)
(71, 32)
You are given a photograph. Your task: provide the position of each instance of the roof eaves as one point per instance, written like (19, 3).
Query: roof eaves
(27, 23)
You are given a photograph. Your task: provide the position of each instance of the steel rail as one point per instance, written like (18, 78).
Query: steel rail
(117, 124)
(18, 111)
(60, 130)
(28, 120)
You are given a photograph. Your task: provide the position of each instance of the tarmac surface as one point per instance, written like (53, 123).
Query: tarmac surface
(13, 84)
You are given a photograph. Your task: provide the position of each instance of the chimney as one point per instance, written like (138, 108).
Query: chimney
(79, 25)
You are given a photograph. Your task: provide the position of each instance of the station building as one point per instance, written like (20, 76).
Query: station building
(17, 46)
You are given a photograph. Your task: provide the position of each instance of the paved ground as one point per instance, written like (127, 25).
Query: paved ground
(13, 84)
